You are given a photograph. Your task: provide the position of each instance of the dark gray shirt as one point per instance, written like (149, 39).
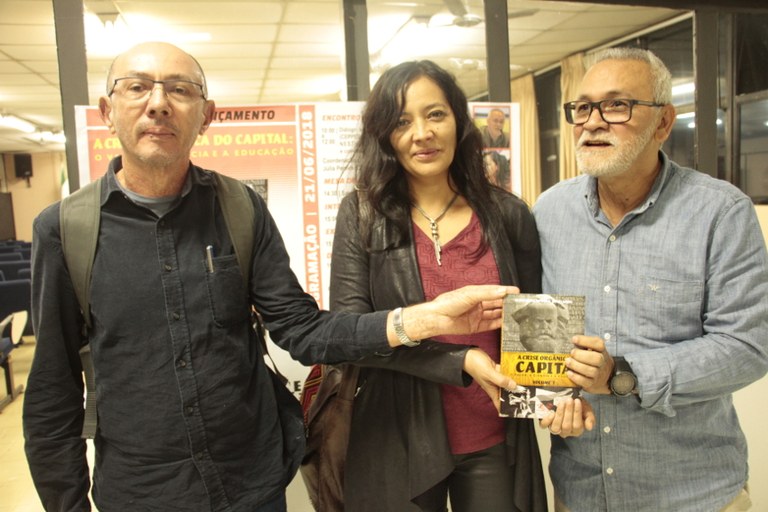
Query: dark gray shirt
(187, 417)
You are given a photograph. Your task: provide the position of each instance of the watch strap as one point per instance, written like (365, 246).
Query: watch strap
(397, 322)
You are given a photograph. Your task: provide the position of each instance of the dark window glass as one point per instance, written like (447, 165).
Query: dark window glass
(548, 104)
(753, 154)
(674, 46)
(751, 40)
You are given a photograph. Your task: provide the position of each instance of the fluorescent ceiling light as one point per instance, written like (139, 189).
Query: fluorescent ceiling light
(108, 18)
(686, 88)
(393, 40)
(17, 124)
(47, 137)
(692, 124)
(107, 40)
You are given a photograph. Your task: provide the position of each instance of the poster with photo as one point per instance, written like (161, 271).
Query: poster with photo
(499, 125)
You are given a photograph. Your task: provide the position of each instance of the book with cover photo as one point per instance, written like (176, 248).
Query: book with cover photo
(536, 337)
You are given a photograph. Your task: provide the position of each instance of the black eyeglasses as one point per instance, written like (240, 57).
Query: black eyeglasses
(613, 111)
(134, 88)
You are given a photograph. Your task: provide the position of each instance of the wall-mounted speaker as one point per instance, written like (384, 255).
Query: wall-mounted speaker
(23, 164)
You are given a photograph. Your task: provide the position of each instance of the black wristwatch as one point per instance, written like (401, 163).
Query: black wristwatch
(623, 381)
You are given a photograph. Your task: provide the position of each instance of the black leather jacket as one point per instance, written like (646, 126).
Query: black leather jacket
(398, 443)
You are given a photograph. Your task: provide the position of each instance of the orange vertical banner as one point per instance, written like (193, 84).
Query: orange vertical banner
(309, 200)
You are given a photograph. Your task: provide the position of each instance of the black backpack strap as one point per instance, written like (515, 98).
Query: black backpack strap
(237, 207)
(238, 210)
(79, 218)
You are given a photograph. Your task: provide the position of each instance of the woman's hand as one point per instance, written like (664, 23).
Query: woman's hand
(487, 374)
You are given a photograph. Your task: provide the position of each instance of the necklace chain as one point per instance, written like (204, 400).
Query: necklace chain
(433, 226)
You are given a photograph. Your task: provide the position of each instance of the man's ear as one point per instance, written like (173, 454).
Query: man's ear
(105, 111)
(665, 123)
(209, 109)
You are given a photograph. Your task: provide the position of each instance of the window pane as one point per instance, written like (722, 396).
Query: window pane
(674, 46)
(547, 86)
(751, 53)
(753, 157)
(679, 146)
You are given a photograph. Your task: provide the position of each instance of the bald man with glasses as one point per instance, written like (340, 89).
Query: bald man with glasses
(187, 414)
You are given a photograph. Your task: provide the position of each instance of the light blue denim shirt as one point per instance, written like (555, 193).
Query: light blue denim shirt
(679, 288)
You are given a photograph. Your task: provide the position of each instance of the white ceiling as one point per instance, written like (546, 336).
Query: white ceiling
(277, 51)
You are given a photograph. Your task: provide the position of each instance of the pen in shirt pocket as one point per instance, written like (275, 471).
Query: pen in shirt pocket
(209, 258)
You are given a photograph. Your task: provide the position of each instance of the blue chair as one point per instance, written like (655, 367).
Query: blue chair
(11, 268)
(16, 295)
(17, 322)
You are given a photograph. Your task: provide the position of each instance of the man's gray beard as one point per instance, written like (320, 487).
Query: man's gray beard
(624, 155)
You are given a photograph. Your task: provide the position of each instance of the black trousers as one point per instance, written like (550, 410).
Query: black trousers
(481, 482)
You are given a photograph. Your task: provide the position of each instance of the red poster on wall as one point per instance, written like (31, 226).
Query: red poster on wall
(295, 156)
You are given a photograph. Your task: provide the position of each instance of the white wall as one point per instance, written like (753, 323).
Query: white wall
(754, 418)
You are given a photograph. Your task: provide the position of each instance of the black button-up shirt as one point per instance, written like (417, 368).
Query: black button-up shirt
(187, 416)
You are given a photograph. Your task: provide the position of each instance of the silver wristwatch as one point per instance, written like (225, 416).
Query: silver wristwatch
(397, 321)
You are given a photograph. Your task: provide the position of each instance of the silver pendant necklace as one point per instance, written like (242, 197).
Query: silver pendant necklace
(433, 226)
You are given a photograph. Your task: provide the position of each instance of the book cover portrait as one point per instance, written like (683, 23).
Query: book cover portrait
(535, 340)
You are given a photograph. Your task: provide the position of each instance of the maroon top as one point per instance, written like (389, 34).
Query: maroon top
(471, 419)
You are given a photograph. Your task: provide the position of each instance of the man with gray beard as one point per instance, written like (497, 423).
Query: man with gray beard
(674, 269)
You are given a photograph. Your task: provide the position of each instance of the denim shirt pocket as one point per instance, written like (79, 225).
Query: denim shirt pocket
(667, 309)
(227, 295)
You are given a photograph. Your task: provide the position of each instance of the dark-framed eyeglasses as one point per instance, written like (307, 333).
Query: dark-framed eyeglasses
(613, 111)
(135, 88)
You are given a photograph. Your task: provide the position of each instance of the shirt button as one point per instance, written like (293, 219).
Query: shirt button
(176, 316)
(167, 267)
(607, 336)
(612, 238)
(609, 471)
(607, 430)
(199, 455)
(182, 363)
(189, 410)
(607, 288)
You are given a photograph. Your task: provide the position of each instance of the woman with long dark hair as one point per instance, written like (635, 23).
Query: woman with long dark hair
(424, 219)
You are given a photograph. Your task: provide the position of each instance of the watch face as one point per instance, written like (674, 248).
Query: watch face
(622, 383)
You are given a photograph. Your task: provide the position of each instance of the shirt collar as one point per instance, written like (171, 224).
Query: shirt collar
(197, 176)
